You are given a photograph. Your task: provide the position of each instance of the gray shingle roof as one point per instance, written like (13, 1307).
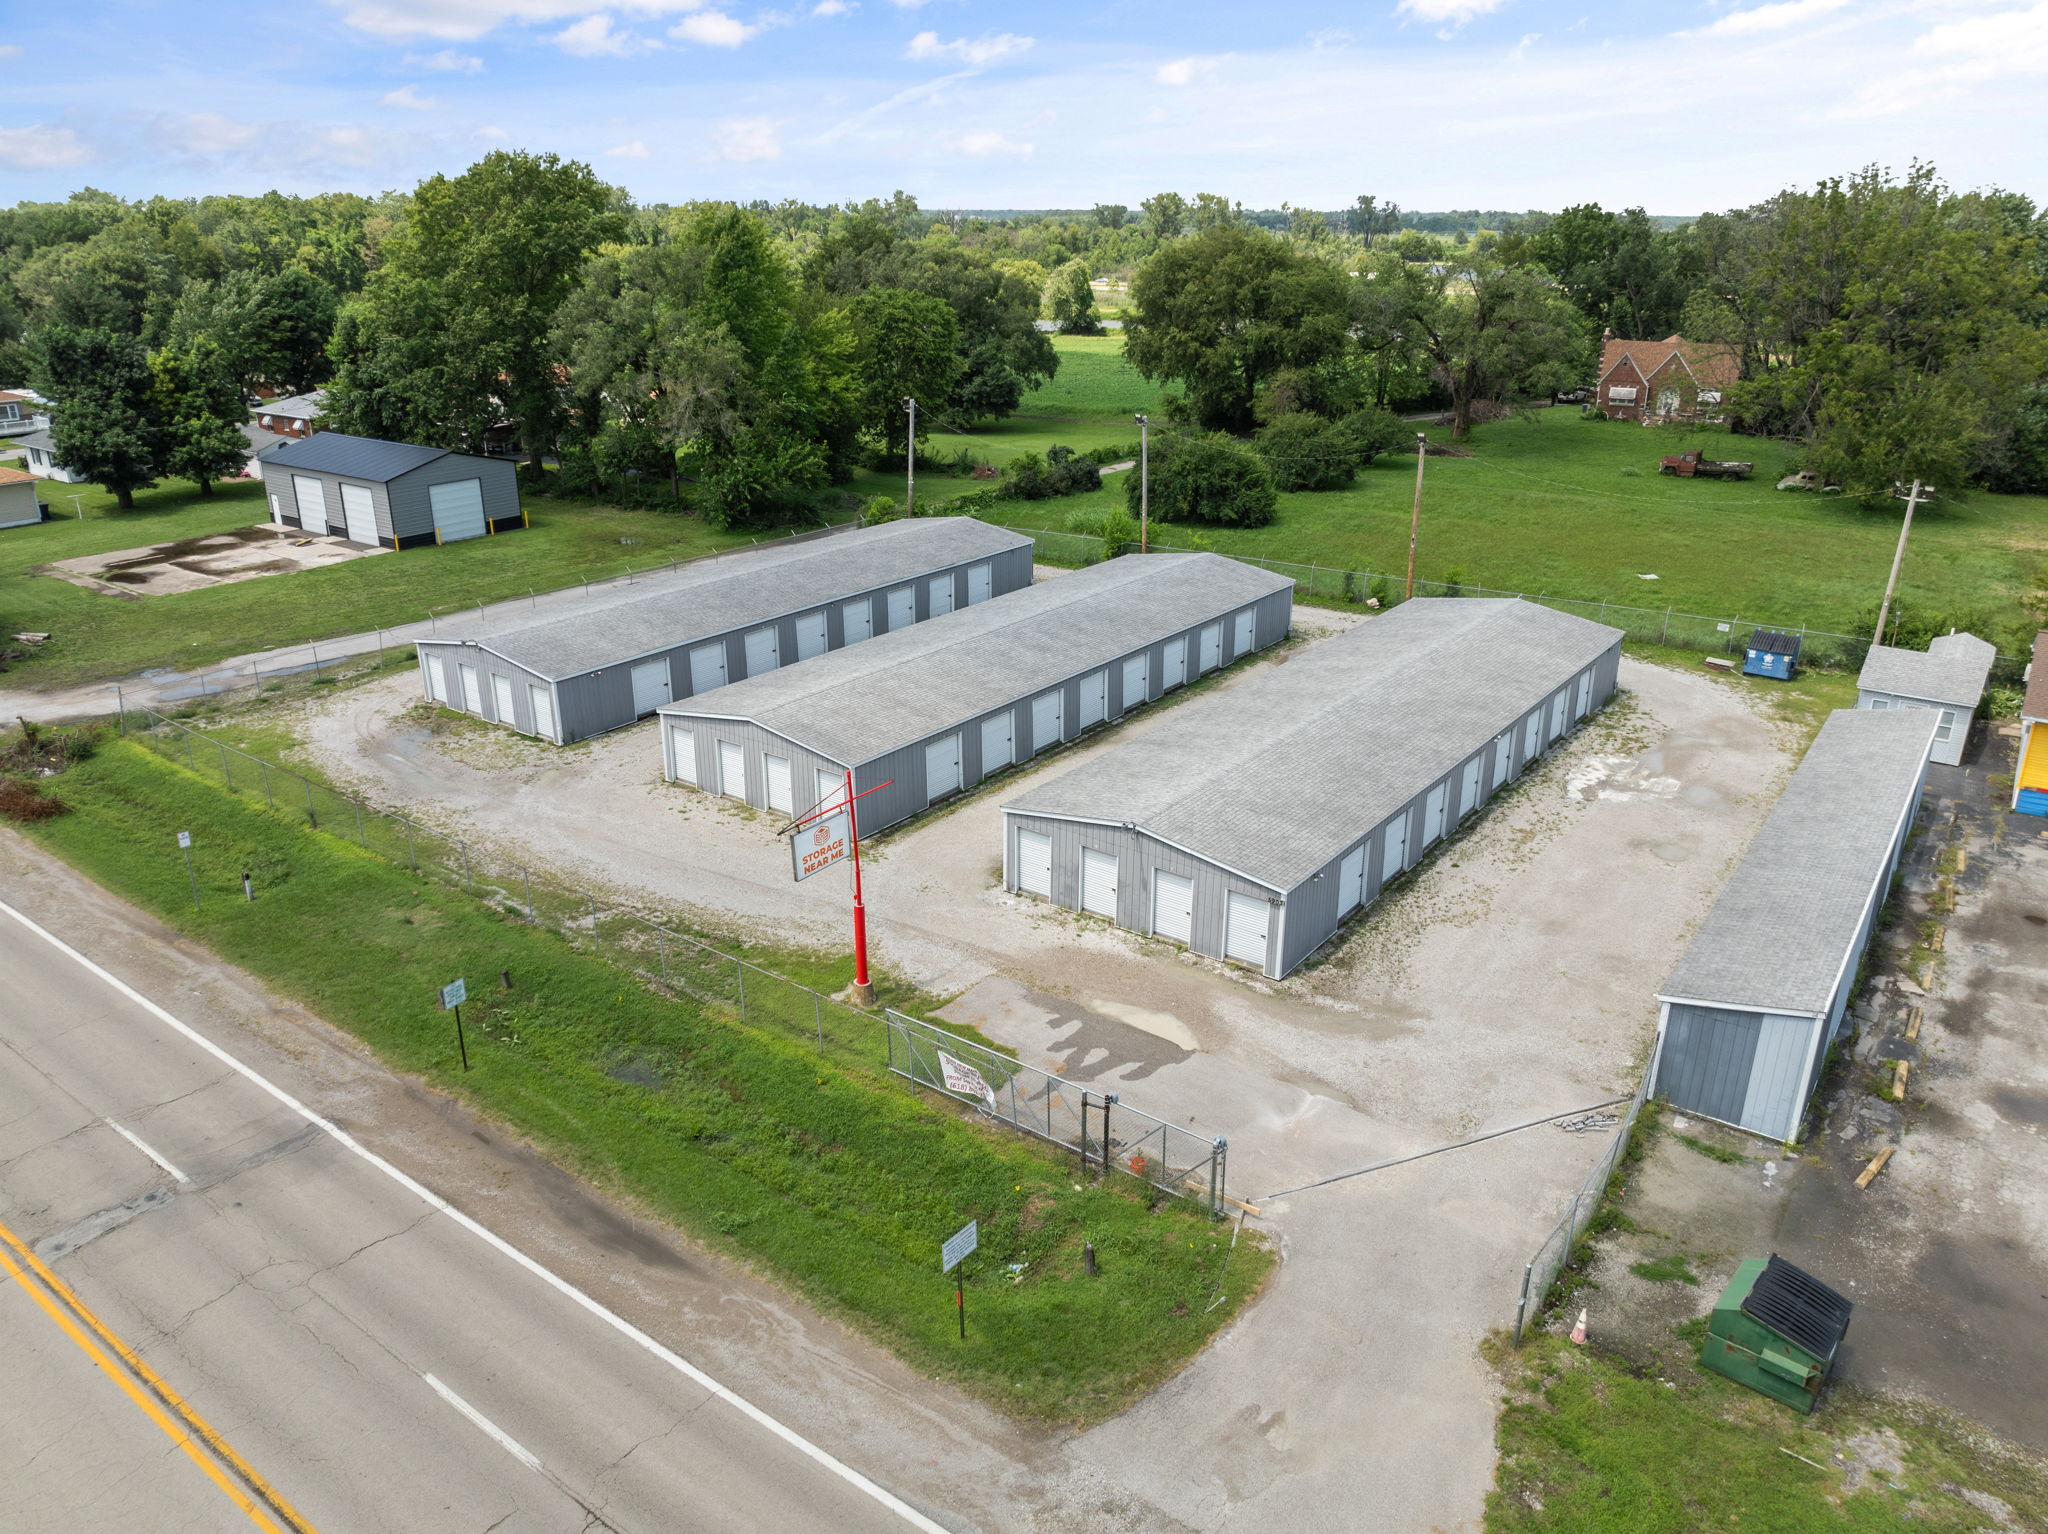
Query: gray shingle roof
(854, 704)
(1281, 773)
(1952, 669)
(739, 591)
(297, 407)
(1792, 911)
(333, 452)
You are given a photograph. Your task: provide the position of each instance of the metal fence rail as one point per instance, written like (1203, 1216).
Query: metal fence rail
(1541, 1271)
(1105, 1130)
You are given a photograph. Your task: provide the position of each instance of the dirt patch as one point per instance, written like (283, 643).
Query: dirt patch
(213, 559)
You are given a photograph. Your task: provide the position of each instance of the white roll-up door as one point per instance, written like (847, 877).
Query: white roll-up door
(941, 587)
(359, 514)
(1212, 648)
(1532, 737)
(941, 767)
(707, 667)
(1173, 668)
(437, 680)
(1241, 643)
(902, 608)
(810, 635)
(501, 695)
(858, 620)
(1351, 880)
(1585, 703)
(682, 752)
(831, 786)
(311, 496)
(781, 792)
(1034, 863)
(1098, 882)
(1433, 813)
(650, 687)
(1245, 920)
(1045, 721)
(458, 509)
(1557, 708)
(1503, 757)
(764, 650)
(1396, 859)
(1173, 906)
(472, 690)
(977, 583)
(1137, 681)
(998, 741)
(1094, 699)
(1468, 789)
(542, 702)
(732, 769)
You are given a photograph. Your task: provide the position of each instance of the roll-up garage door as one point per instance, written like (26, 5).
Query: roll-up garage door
(437, 680)
(1098, 882)
(501, 695)
(1174, 663)
(977, 583)
(1137, 681)
(1468, 788)
(859, 620)
(472, 692)
(359, 513)
(1351, 880)
(941, 767)
(1503, 757)
(1034, 863)
(830, 785)
(998, 743)
(458, 509)
(1557, 708)
(1212, 647)
(781, 793)
(707, 667)
(732, 769)
(1173, 906)
(1532, 737)
(1045, 721)
(902, 608)
(311, 494)
(941, 594)
(1433, 813)
(1244, 929)
(810, 635)
(682, 752)
(543, 703)
(1242, 642)
(764, 651)
(1585, 694)
(1094, 699)
(1396, 859)
(650, 687)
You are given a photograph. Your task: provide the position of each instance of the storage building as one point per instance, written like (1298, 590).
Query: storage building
(21, 502)
(600, 662)
(396, 494)
(2030, 774)
(1251, 824)
(1947, 677)
(1745, 1019)
(943, 705)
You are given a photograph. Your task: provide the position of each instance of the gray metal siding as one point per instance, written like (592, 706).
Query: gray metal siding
(487, 667)
(409, 512)
(1784, 1047)
(1705, 1064)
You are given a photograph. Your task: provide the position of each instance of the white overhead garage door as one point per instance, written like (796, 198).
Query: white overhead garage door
(1532, 737)
(810, 635)
(1396, 860)
(1137, 681)
(1173, 906)
(543, 703)
(707, 667)
(1433, 813)
(682, 754)
(1034, 863)
(437, 680)
(781, 793)
(1212, 647)
(1503, 757)
(1585, 703)
(1045, 721)
(1242, 643)
(650, 687)
(1094, 699)
(732, 769)
(1351, 880)
(764, 650)
(977, 583)
(1557, 708)
(942, 767)
(501, 695)
(472, 692)
(858, 619)
(902, 608)
(1174, 668)
(1244, 929)
(458, 509)
(1468, 789)
(998, 741)
(941, 594)
(359, 512)
(1098, 882)
(311, 494)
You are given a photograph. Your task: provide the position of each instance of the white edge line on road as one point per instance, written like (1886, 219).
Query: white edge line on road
(618, 1323)
(136, 1140)
(503, 1439)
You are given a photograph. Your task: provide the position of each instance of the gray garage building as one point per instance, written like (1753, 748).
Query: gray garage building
(1947, 679)
(397, 494)
(1745, 1020)
(1251, 824)
(606, 661)
(941, 706)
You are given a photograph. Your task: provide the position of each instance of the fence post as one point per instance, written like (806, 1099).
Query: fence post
(188, 751)
(661, 946)
(268, 801)
(818, 1018)
(227, 776)
(469, 883)
(739, 969)
(311, 818)
(532, 910)
(361, 841)
(596, 938)
(411, 856)
(1522, 1305)
(1666, 638)
(1216, 1175)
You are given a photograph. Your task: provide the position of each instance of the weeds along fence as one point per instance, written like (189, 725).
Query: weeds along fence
(1161, 1153)
(1106, 1132)
(1665, 626)
(1540, 1273)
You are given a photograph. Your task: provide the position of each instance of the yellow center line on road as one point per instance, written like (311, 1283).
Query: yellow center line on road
(191, 1432)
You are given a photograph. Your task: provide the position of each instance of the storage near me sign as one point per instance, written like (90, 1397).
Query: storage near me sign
(959, 1245)
(454, 994)
(965, 1079)
(817, 846)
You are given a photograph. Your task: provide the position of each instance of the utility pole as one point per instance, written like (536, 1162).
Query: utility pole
(910, 463)
(1884, 608)
(1415, 518)
(1144, 481)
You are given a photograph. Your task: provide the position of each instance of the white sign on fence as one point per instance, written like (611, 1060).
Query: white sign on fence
(825, 841)
(454, 994)
(961, 1077)
(958, 1245)
(184, 838)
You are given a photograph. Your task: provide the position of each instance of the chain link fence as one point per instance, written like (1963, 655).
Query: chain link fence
(1106, 1131)
(1540, 1272)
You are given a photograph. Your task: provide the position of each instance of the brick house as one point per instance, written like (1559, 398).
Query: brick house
(292, 416)
(1668, 380)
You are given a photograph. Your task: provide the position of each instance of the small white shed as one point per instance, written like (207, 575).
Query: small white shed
(1948, 677)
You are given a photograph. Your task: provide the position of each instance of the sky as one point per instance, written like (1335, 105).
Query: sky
(1676, 105)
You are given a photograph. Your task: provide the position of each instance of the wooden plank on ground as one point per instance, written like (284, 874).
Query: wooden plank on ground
(1864, 1177)
(1899, 1082)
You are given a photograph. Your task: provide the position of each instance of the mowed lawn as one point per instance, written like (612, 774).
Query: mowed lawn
(97, 636)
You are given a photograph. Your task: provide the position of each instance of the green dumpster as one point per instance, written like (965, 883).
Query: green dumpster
(1775, 1329)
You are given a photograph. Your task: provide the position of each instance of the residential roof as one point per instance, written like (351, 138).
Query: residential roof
(2035, 705)
(16, 477)
(1278, 775)
(299, 407)
(1952, 669)
(333, 452)
(1792, 913)
(1713, 366)
(854, 704)
(739, 590)
(40, 437)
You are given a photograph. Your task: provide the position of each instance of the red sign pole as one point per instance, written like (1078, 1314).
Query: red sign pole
(863, 988)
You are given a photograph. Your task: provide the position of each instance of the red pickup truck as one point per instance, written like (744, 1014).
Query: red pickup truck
(1690, 465)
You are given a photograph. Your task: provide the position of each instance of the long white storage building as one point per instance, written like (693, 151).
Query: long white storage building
(939, 707)
(1250, 824)
(607, 660)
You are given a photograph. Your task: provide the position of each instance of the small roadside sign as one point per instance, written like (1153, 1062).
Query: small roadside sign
(184, 838)
(965, 1079)
(959, 1245)
(454, 994)
(825, 841)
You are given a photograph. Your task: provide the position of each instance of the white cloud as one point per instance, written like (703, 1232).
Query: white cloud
(406, 96)
(982, 145)
(977, 52)
(1185, 71)
(43, 147)
(833, 8)
(10, 50)
(1522, 47)
(1769, 18)
(1959, 56)
(203, 133)
(493, 132)
(745, 139)
(593, 37)
(446, 62)
(466, 20)
(909, 5)
(713, 29)
(349, 146)
(1454, 13)
(637, 150)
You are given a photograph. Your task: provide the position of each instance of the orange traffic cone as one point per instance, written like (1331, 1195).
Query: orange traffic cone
(1579, 1331)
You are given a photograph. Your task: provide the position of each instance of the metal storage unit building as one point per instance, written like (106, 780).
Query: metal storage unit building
(615, 659)
(941, 706)
(397, 494)
(1745, 1019)
(1251, 824)
(1947, 677)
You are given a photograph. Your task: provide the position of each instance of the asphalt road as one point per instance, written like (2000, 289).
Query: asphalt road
(382, 1361)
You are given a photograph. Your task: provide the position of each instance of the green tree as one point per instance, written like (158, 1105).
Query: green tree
(101, 422)
(273, 328)
(905, 346)
(1112, 215)
(1070, 301)
(1225, 310)
(1166, 214)
(1206, 478)
(197, 413)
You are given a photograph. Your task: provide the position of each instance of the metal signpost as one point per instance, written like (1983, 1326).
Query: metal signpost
(958, 1247)
(828, 833)
(453, 995)
(185, 846)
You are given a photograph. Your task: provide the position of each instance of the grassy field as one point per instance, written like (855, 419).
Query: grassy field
(835, 1177)
(98, 636)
